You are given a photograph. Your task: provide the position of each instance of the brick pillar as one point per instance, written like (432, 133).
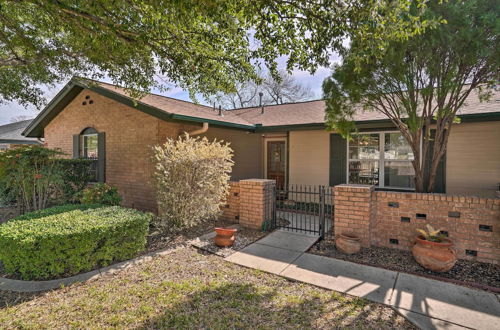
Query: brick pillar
(231, 210)
(255, 202)
(353, 211)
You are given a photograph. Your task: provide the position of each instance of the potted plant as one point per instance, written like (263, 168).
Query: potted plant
(224, 236)
(347, 243)
(433, 251)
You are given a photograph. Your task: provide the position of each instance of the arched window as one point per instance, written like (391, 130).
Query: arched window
(90, 144)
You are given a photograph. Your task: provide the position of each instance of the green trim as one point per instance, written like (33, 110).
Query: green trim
(161, 114)
(211, 121)
(74, 87)
(477, 117)
(283, 128)
(8, 141)
(55, 106)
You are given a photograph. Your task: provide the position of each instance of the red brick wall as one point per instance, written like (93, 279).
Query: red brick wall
(376, 217)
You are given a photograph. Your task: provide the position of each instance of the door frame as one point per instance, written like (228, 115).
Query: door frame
(276, 139)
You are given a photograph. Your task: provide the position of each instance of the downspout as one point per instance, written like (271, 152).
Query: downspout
(199, 131)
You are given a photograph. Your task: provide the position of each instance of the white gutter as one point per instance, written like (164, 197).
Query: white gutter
(199, 131)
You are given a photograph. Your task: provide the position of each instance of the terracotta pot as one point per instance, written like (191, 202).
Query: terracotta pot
(347, 243)
(225, 236)
(438, 257)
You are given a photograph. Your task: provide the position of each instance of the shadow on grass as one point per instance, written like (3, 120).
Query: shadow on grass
(11, 298)
(246, 306)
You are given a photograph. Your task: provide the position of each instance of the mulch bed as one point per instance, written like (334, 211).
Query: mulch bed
(465, 272)
(244, 237)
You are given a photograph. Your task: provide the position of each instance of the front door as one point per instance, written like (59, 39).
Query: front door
(276, 162)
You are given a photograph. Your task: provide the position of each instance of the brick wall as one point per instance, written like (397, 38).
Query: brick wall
(353, 211)
(130, 135)
(255, 202)
(390, 219)
(231, 211)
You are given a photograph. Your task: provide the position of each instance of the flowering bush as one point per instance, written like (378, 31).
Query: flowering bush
(101, 193)
(30, 176)
(191, 179)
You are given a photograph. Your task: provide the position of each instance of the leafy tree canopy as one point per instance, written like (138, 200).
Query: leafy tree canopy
(422, 80)
(204, 46)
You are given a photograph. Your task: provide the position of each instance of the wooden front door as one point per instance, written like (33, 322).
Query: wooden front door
(276, 162)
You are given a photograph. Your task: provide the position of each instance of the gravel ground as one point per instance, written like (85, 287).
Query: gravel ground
(464, 270)
(189, 289)
(244, 237)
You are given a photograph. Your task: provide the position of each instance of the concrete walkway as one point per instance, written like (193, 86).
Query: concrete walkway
(429, 304)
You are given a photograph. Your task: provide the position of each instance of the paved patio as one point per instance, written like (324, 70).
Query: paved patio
(429, 304)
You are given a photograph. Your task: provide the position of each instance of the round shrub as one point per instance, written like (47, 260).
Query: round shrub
(101, 193)
(40, 246)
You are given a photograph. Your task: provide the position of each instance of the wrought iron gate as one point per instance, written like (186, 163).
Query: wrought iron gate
(301, 208)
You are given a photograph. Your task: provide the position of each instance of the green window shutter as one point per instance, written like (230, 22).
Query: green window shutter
(440, 182)
(101, 157)
(338, 159)
(76, 146)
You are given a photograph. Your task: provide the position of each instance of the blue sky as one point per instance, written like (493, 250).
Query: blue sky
(8, 111)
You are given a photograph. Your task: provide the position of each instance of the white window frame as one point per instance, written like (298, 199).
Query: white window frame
(381, 160)
(82, 144)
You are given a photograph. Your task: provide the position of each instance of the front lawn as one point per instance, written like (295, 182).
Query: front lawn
(187, 289)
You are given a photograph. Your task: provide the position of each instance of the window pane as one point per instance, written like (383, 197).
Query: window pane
(363, 172)
(364, 146)
(91, 146)
(399, 174)
(396, 147)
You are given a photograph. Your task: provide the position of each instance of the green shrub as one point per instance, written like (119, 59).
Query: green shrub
(56, 210)
(101, 193)
(64, 244)
(30, 175)
(76, 174)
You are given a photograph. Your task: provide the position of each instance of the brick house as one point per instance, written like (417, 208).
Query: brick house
(287, 143)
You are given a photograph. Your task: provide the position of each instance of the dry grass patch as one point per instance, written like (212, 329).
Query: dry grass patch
(190, 290)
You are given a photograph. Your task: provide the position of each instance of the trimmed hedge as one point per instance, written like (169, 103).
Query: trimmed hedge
(50, 243)
(56, 210)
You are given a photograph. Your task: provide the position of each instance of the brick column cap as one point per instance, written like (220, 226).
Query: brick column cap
(258, 182)
(354, 187)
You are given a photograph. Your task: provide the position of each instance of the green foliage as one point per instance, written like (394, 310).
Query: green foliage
(76, 174)
(191, 179)
(101, 193)
(56, 210)
(420, 80)
(203, 46)
(40, 247)
(30, 175)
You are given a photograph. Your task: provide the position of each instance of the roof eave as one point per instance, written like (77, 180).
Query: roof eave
(75, 86)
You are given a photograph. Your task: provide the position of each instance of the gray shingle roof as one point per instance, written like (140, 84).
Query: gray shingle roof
(300, 113)
(11, 133)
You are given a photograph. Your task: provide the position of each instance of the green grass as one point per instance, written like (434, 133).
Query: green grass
(188, 290)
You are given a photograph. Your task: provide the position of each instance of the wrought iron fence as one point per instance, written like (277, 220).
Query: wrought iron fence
(301, 208)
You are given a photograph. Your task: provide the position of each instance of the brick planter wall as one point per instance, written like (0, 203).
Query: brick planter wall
(390, 219)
